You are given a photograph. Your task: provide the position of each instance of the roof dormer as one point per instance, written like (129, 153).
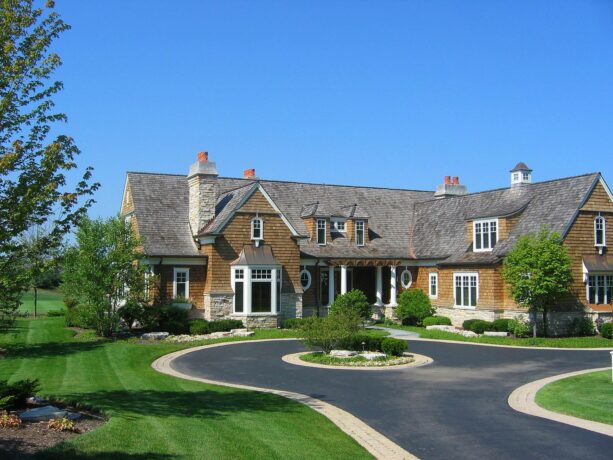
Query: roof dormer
(521, 174)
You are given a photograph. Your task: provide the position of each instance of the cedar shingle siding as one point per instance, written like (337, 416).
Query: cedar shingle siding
(402, 227)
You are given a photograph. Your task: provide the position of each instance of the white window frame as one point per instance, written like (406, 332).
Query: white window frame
(310, 279)
(252, 274)
(455, 300)
(481, 223)
(336, 225)
(253, 221)
(177, 270)
(360, 223)
(601, 219)
(431, 277)
(402, 283)
(324, 228)
(607, 278)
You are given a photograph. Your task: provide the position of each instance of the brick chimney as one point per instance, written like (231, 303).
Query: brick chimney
(202, 182)
(249, 173)
(450, 187)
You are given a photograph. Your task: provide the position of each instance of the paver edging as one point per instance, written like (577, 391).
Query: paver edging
(522, 399)
(294, 358)
(374, 442)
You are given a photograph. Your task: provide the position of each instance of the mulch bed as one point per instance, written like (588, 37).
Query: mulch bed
(32, 437)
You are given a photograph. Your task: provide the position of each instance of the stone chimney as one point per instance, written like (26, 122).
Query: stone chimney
(450, 187)
(202, 182)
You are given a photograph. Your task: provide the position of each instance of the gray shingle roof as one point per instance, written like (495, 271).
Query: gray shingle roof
(402, 223)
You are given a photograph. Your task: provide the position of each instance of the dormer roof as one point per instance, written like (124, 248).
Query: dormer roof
(521, 166)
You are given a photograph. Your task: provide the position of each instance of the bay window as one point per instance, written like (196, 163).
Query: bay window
(600, 289)
(466, 290)
(485, 234)
(256, 290)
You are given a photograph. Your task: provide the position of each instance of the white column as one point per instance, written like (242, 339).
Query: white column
(393, 286)
(273, 291)
(247, 291)
(379, 301)
(330, 285)
(343, 279)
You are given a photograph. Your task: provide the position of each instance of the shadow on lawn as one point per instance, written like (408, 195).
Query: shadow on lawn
(201, 404)
(72, 453)
(54, 349)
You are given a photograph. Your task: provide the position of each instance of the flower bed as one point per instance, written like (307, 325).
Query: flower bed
(355, 361)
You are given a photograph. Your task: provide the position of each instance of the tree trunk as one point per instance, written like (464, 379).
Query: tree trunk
(545, 325)
(35, 300)
(533, 314)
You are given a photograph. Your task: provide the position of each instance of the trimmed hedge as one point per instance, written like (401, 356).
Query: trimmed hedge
(606, 330)
(225, 325)
(61, 312)
(582, 327)
(478, 326)
(393, 347)
(292, 323)
(199, 327)
(437, 321)
(355, 343)
(501, 325)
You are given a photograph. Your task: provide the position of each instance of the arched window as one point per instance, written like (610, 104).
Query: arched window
(305, 279)
(406, 278)
(600, 231)
(257, 229)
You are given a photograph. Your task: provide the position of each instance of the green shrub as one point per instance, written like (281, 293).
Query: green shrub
(436, 321)
(606, 330)
(81, 316)
(225, 325)
(519, 327)
(130, 312)
(478, 326)
(55, 313)
(150, 319)
(327, 333)
(393, 347)
(291, 323)
(413, 307)
(70, 302)
(15, 394)
(501, 325)
(175, 327)
(361, 342)
(199, 327)
(354, 300)
(173, 320)
(581, 327)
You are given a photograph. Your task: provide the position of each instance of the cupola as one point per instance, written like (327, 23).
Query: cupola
(521, 174)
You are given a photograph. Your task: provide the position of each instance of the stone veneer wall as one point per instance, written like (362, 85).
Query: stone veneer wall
(255, 321)
(217, 306)
(291, 305)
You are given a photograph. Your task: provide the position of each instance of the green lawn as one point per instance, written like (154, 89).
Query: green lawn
(157, 416)
(562, 342)
(47, 300)
(588, 396)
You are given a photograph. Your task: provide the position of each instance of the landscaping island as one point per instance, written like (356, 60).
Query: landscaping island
(357, 360)
(588, 396)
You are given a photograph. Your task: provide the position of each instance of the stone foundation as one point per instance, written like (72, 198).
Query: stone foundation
(458, 315)
(255, 321)
(291, 305)
(217, 306)
(390, 313)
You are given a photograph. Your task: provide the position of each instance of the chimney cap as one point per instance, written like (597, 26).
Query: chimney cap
(456, 180)
(203, 156)
(202, 166)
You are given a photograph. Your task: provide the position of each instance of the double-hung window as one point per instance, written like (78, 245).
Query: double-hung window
(238, 276)
(466, 291)
(321, 231)
(338, 225)
(600, 228)
(257, 229)
(600, 289)
(256, 289)
(485, 234)
(180, 286)
(433, 283)
(359, 232)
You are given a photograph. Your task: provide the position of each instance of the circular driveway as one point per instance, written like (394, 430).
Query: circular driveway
(454, 408)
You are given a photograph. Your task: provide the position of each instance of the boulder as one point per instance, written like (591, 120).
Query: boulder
(154, 335)
(441, 327)
(237, 331)
(496, 334)
(244, 333)
(372, 355)
(342, 353)
(46, 413)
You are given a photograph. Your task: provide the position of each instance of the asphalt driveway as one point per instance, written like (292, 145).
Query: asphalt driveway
(454, 408)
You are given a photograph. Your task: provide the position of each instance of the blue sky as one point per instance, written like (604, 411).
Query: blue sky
(387, 93)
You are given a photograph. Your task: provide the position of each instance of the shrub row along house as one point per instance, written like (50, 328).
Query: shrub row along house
(263, 250)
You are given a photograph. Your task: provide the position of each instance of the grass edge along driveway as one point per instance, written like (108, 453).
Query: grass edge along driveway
(588, 396)
(152, 415)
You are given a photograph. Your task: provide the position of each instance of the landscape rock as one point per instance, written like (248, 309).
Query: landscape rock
(342, 353)
(42, 414)
(183, 338)
(453, 330)
(372, 355)
(35, 400)
(243, 334)
(154, 335)
(496, 334)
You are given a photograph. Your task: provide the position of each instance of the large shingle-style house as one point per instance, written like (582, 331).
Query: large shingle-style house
(262, 250)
